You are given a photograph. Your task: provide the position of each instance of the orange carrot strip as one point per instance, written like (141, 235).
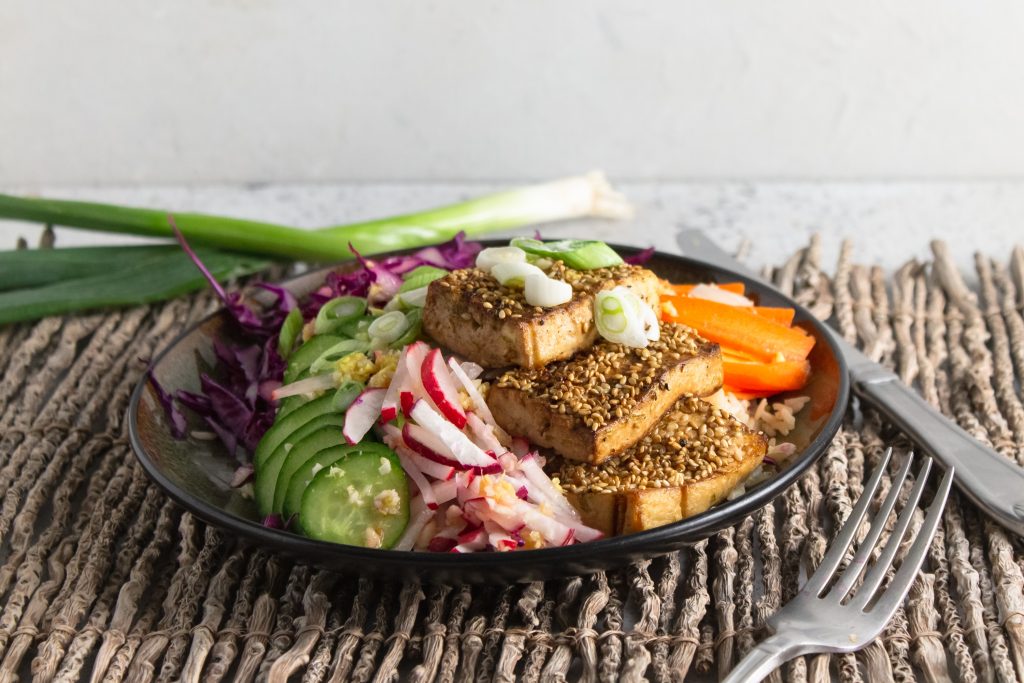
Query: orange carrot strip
(736, 328)
(787, 375)
(783, 316)
(734, 287)
(744, 395)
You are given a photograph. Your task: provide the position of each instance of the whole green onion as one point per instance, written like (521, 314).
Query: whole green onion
(576, 197)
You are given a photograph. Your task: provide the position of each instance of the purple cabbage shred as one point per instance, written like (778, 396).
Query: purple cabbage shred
(235, 400)
(641, 257)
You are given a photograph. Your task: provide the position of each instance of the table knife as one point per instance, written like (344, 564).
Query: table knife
(991, 481)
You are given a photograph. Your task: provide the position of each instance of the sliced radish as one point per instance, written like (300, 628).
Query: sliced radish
(471, 369)
(445, 491)
(399, 383)
(553, 531)
(437, 382)
(722, 296)
(483, 434)
(305, 386)
(415, 353)
(520, 446)
(501, 541)
(479, 404)
(431, 468)
(540, 481)
(423, 442)
(471, 541)
(412, 531)
(424, 487)
(362, 414)
(441, 544)
(457, 443)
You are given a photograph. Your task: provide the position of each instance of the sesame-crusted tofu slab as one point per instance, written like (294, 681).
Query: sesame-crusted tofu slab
(603, 400)
(470, 313)
(690, 461)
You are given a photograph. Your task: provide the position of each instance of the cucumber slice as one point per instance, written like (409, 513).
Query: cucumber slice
(304, 356)
(341, 504)
(295, 477)
(315, 424)
(266, 477)
(284, 425)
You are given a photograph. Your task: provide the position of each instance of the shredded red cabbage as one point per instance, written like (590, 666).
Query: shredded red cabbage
(380, 280)
(641, 257)
(178, 423)
(234, 401)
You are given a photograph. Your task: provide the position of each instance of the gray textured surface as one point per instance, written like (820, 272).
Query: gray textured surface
(890, 221)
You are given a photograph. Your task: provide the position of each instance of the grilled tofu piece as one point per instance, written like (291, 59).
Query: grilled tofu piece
(470, 313)
(603, 400)
(690, 461)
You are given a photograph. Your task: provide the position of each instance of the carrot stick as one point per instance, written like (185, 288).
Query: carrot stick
(745, 331)
(744, 395)
(778, 376)
(734, 287)
(783, 316)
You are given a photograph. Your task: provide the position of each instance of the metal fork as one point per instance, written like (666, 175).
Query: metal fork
(825, 616)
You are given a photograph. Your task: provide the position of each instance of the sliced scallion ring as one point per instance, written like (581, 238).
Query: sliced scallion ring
(577, 254)
(415, 318)
(514, 274)
(622, 317)
(388, 327)
(540, 290)
(492, 256)
(337, 312)
(414, 297)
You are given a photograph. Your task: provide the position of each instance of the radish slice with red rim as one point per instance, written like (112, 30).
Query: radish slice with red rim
(362, 414)
(479, 404)
(399, 383)
(457, 443)
(437, 382)
(423, 442)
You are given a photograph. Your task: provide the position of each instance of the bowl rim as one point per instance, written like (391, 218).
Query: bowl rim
(696, 527)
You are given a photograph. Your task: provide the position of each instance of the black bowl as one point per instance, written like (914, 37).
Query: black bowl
(197, 473)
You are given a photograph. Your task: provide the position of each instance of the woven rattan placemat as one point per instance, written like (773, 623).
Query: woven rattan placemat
(101, 578)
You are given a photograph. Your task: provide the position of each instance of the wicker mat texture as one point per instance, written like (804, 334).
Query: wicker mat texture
(102, 578)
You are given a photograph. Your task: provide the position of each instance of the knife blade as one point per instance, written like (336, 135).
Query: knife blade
(990, 480)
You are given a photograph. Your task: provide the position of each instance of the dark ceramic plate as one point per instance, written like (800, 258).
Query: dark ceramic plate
(196, 473)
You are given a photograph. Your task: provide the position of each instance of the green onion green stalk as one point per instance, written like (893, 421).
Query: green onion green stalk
(577, 197)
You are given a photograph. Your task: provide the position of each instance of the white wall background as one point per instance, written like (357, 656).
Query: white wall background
(197, 91)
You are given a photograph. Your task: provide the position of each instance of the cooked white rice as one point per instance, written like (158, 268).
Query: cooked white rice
(775, 419)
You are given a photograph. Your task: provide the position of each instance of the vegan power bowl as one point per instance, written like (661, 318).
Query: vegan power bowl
(462, 399)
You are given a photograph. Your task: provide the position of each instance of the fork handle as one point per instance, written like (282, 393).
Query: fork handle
(986, 477)
(764, 658)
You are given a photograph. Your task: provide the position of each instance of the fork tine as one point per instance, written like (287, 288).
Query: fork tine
(834, 556)
(863, 556)
(877, 572)
(894, 593)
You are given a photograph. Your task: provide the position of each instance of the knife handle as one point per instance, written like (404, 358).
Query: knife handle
(986, 477)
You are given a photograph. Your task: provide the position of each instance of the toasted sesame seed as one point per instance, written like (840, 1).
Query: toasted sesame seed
(680, 449)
